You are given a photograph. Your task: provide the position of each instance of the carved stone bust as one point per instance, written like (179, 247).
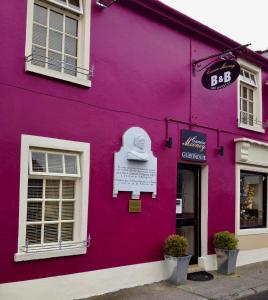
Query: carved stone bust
(138, 152)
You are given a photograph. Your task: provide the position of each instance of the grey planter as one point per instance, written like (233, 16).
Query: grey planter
(177, 268)
(226, 260)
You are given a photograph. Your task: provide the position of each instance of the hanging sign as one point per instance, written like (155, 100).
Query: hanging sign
(221, 74)
(193, 146)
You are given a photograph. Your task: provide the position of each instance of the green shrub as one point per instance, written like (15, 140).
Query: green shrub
(225, 240)
(175, 245)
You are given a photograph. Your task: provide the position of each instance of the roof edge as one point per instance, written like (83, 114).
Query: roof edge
(200, 29)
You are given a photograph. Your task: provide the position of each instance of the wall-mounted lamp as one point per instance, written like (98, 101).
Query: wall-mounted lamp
(221, 150)
(105, 3)
(168, 143)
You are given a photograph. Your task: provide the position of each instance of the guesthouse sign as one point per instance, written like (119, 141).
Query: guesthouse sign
(193, 146)
(221, 74)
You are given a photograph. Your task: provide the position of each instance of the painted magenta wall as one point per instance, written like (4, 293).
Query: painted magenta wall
(142, 76)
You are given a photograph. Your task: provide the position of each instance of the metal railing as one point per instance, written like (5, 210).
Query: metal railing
(37, 59)
(30, 248)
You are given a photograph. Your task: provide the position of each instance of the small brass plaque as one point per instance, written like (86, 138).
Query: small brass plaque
(134, 206)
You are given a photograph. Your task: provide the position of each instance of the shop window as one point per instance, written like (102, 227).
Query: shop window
(253, 200)
(53, 202)
(250, 100)
(57, 41)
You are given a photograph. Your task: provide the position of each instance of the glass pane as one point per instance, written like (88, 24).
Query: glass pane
(33, 234)
(40, 14)
(55, 40)
(54, 61)
(244, 106)
(68, 189)
(38, 58)
(250, 107)
(55, 163)
(70, 164)
(250, 119)
(52, 189)
(74, 3)
(188, 232)
(244, 117)
(39, 161)
(70, 46)
(39, 35)
(253, 79)
(67, 211)
(247, 74)
(252, 210)
(70, 65)
(250, 93)
(35, 188)
(71, 26)
(50, 233)
(51, 211)
(245, 95)
(34, 211)
(67, 231)
(56, 20)
(61, 1)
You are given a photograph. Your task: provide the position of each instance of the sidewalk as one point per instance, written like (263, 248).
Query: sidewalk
(248, 280)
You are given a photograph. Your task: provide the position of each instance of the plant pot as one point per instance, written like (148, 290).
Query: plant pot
(226, 260)
(177, 268)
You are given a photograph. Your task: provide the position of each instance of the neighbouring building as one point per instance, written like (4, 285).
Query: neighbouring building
(109, 142)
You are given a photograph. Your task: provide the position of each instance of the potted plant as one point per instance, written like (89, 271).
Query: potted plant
(225, 244)
(177, 261)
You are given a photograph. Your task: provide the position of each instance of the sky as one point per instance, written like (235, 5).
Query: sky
(243, 21)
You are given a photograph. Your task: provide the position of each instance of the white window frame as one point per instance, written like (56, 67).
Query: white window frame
(28, 142)
(248, 231)
(83, 47)
(257, 109)
(69, 7)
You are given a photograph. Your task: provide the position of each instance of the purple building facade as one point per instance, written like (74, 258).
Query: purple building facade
(63, 233)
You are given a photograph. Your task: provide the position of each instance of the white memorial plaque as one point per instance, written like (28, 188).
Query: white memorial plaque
(135, 166)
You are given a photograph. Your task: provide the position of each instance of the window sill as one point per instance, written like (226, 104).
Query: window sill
(252, 128)
(22, 256)
(252, 231)
(39, 70)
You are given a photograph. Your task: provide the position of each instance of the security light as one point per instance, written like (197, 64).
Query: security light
(105, 3)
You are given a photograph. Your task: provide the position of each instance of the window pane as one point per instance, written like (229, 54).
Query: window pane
(54, 163)
(247, 74)
(250, 107)
(56, 20)
(52, 189)
(70, 164)
(34, 211)
(39, 35)
(253, 79)
(67, 211)
(40, 14)
(70, 46)
(70, 65)
(245, 92)
(50, 233)
(245, 106)
(250, 93)
(51, 210)
(55, 40)
(54, 61)
(252, 199)
(35, 188)
(67, 232)
(38, 57)
(71, 26)
(33, 234)
(39, 161)
(68, 189)
(250, 119)
(61, 1)
(74, 3)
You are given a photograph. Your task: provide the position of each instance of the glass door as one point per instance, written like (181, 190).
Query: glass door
(188, 207)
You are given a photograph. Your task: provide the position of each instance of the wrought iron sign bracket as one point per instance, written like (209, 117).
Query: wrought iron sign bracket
(227, 54)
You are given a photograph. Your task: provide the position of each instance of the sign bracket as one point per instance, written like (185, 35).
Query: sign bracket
(227, 54)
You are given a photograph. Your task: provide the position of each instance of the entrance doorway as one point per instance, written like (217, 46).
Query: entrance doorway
(188, 207)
